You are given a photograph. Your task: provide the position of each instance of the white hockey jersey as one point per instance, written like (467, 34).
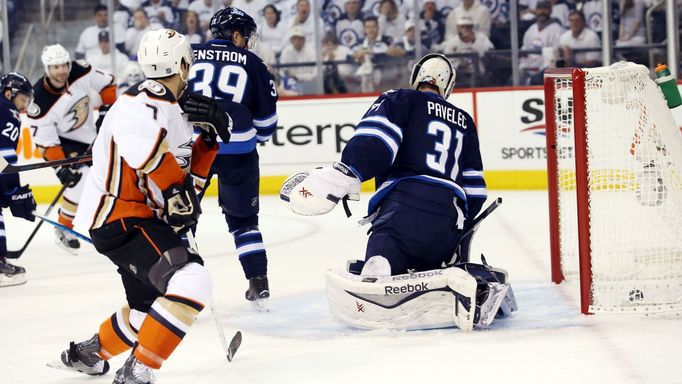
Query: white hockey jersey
(67, 113)
(144, 146)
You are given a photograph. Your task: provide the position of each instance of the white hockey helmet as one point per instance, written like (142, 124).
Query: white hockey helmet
(132, 73)
(55, 55)
(161, 53)
(434, 69)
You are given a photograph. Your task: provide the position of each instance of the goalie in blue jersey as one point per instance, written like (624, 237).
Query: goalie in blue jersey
(424, 155)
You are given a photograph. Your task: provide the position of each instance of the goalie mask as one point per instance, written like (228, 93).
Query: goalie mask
(434, 69)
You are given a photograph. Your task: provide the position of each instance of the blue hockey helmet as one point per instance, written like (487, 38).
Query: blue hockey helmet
(17, 83)
(231, 19)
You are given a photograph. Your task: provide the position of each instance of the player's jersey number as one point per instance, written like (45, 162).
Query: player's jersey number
(11, 131)
(229, 82)
(438, 160)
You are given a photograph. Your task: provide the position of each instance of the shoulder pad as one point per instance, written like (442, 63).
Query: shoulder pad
(153, 89)
(79, 69)
(43, 100)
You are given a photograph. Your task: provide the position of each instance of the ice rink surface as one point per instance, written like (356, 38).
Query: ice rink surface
(546, 341)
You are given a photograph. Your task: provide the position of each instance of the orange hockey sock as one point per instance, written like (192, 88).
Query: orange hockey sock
(167, 322)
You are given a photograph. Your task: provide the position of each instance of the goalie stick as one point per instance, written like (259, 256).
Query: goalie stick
(471, 228)
(7, 168)
(231, 349)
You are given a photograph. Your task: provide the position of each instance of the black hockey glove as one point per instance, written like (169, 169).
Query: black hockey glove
(103, 109)
(206, 113)
(69, 175)
(22, 204)
(181, 208)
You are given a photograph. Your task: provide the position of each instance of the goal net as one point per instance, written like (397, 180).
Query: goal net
(614, 156)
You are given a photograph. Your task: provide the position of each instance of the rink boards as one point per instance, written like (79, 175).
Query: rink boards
(312, 131)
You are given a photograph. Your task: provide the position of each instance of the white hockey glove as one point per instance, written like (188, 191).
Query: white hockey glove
(318, 192)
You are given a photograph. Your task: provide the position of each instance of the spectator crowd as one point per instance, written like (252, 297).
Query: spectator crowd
(370, 45)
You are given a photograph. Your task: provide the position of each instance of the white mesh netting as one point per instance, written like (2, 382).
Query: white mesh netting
(635, 190)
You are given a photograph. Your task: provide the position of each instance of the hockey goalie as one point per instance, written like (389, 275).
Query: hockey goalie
(424, 153)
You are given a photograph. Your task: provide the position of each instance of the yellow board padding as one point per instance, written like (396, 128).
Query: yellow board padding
(516, 180)
(269, 185)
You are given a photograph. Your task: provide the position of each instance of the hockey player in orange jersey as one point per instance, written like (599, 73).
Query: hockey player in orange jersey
(62, 124)
(139, 197)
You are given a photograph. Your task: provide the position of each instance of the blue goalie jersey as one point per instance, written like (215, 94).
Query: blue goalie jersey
(419, 137)
(10, 127)
(241, 80)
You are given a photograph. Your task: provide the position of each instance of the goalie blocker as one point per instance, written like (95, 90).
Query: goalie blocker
(467, 295)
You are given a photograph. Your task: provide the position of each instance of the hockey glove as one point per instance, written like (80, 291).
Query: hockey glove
(206, 113)
(22, 204)
(103, 109)
(69, 175)
(320, 191)
(181, 206)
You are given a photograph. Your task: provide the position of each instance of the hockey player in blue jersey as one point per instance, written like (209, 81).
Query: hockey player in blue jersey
(225, 68)
(424, 155)
(17, 94)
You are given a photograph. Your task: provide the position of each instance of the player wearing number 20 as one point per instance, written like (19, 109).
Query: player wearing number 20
(17, 94)
(225, 69)
(424, 153)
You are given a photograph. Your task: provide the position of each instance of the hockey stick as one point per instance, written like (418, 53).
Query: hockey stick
(17, 254)
(231, 349)
(472, 227)
(62, 227)
(7, 168)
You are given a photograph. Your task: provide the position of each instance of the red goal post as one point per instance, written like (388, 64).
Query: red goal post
(614, 166)
(577, 76)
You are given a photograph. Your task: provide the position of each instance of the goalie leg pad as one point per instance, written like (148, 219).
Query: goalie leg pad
(420, 300)
(495, 298)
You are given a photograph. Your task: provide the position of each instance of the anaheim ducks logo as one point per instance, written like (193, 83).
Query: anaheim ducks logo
(79, 113)
(184, 157)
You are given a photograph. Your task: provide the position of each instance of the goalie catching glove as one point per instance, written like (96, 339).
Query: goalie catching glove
(181, 208)
(318, 192)
(206, 113)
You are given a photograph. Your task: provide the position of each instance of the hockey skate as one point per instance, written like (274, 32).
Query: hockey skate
(258, 293)
(11, 274)
(83, 357)
(134, 372)
(67, 241)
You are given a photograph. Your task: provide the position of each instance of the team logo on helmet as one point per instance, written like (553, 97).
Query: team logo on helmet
(80, 112)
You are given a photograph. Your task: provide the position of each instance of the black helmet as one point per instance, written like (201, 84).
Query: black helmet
(17, 83)
(231, 19)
